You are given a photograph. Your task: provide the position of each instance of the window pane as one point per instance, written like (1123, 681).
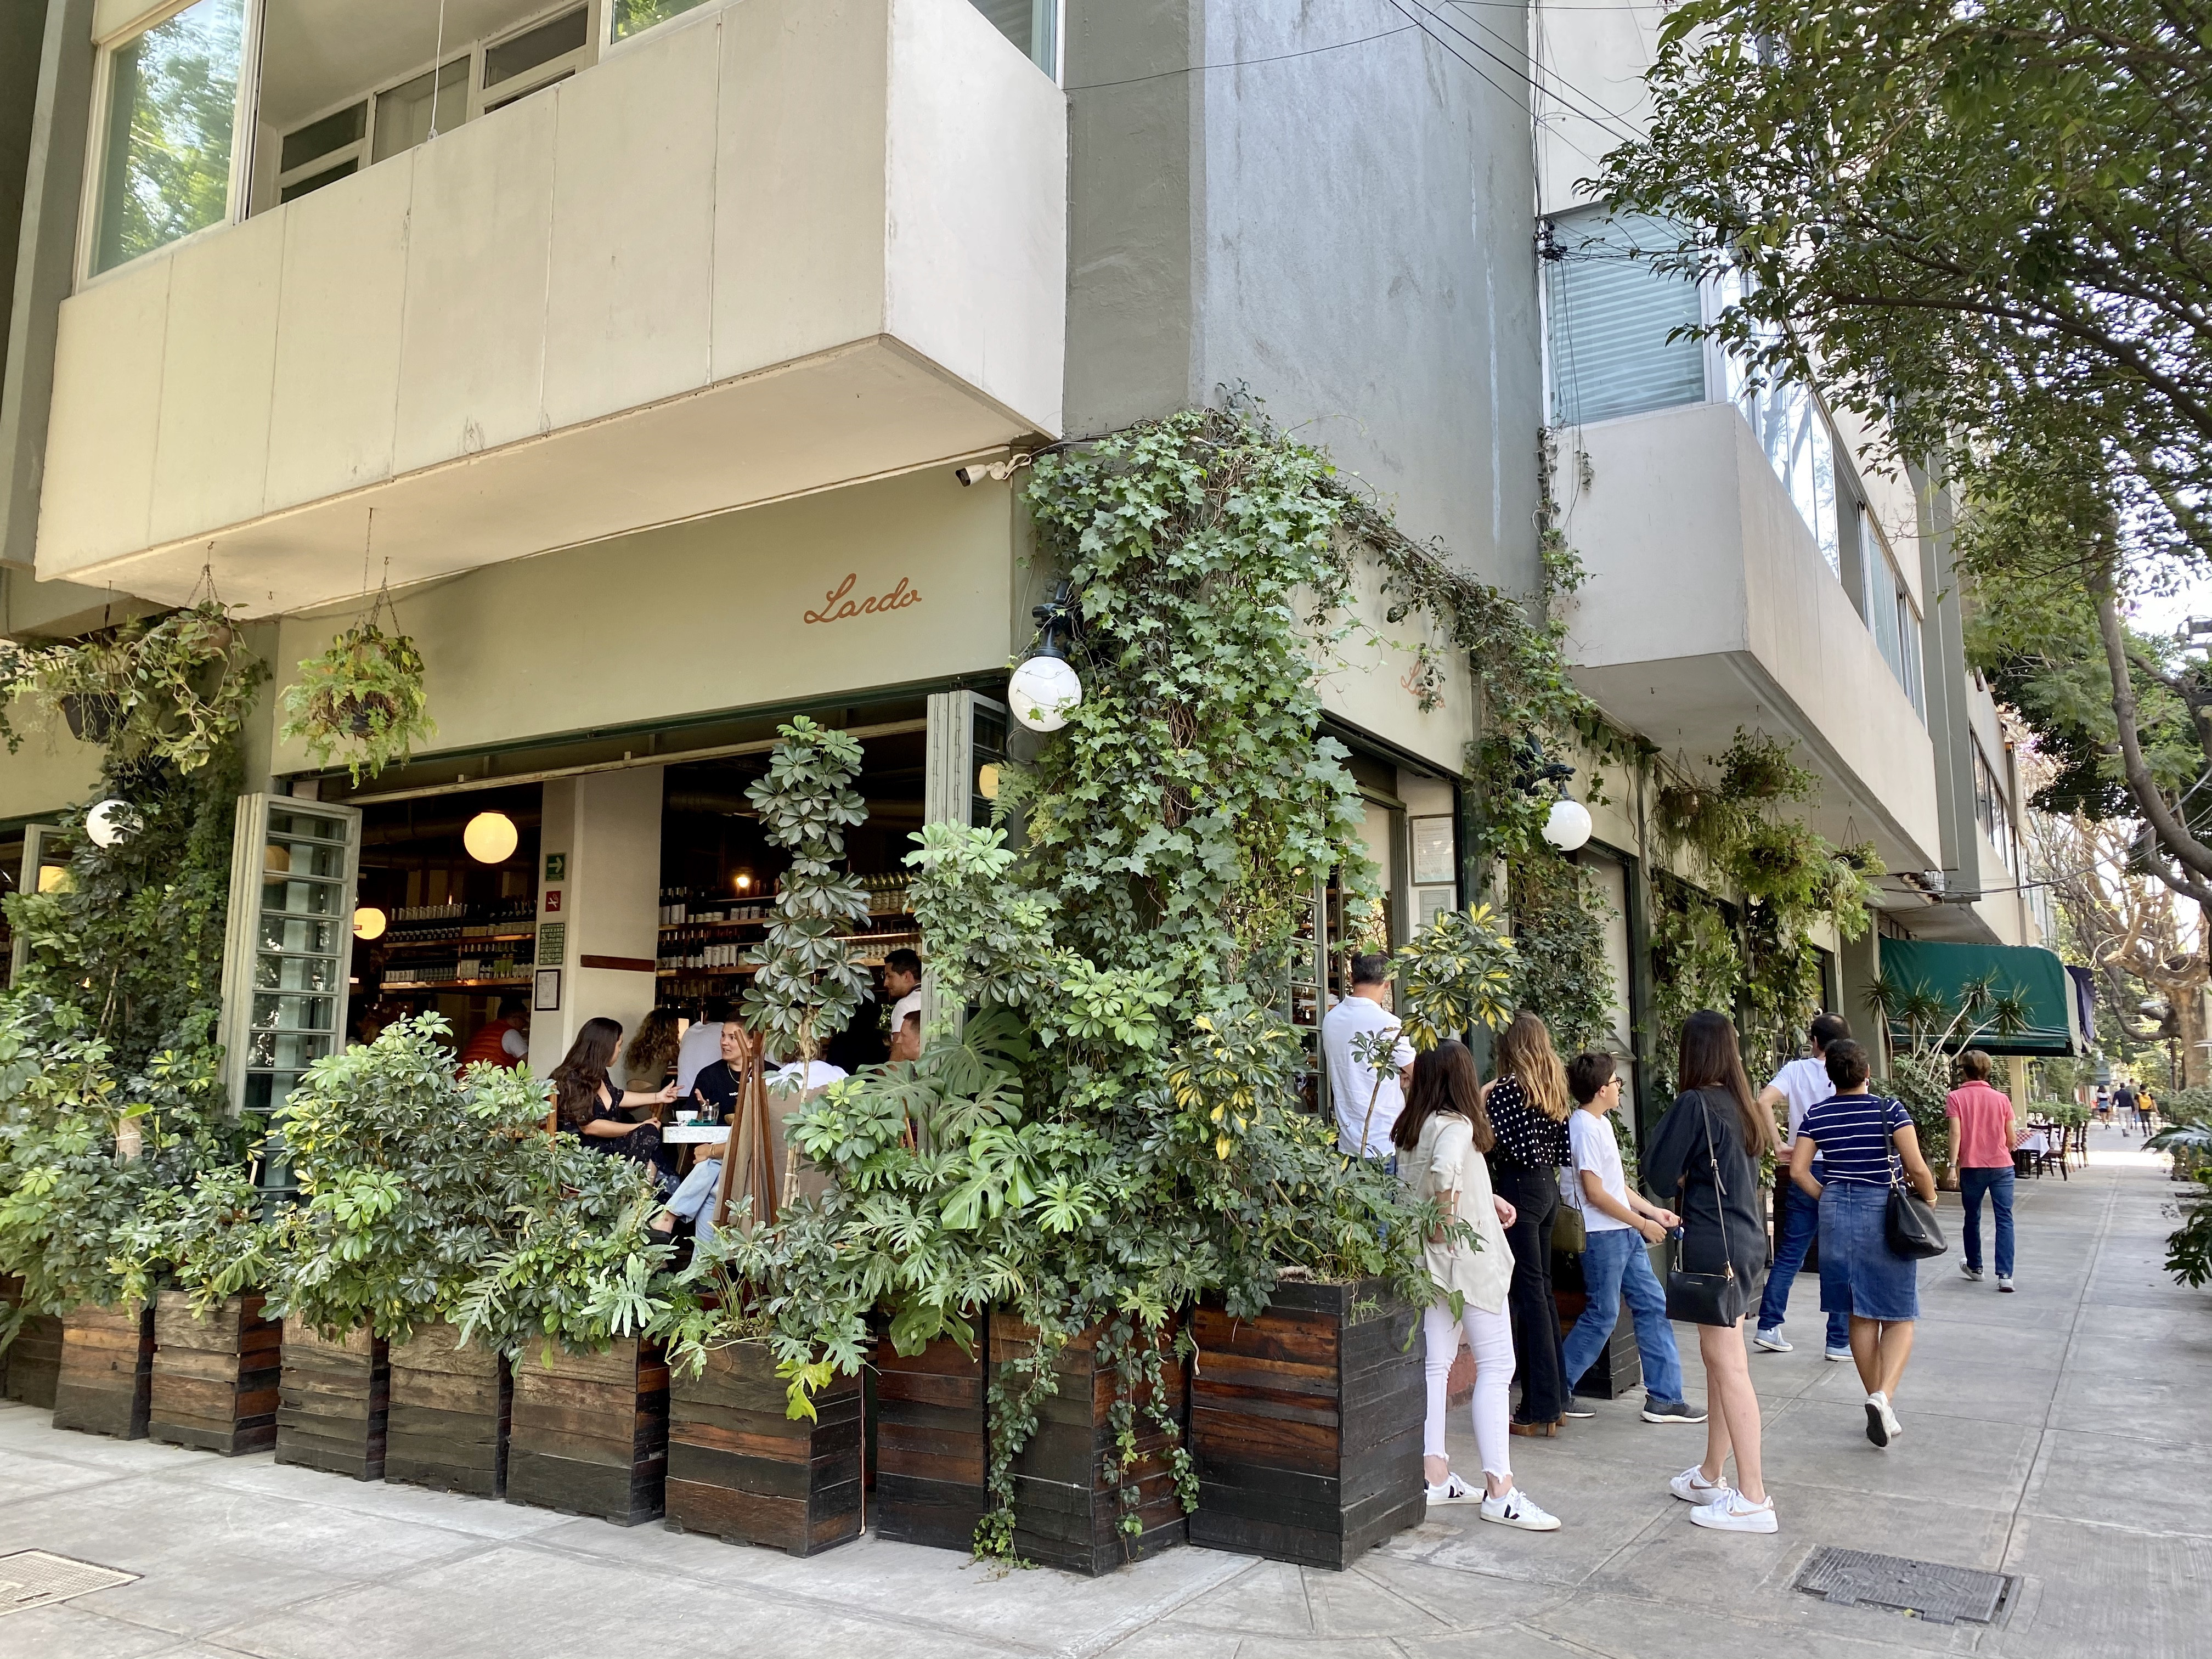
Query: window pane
(321, 137)
(172, 94)
(635, 16)
(403, 114)
(542, 45)
(1030, 24)
(315, 181)
(1610, 315)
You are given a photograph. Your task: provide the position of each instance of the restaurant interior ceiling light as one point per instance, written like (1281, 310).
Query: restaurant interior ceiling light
(109, 821)
(368, 922)
(491, 838)
(1568, 825)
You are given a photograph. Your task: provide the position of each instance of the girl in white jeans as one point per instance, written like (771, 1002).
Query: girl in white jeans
(1441, 1138)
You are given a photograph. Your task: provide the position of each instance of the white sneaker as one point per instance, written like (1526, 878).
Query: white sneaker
(2004, 1282)
(1732, 1512)
(1974, 1273)
(1453, 1490)
(1692, 1487)
(1773, 1342)
(1515, 1509)
(1882, 1426)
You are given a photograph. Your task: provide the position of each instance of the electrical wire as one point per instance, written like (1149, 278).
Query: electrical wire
(1565, 97)
(1243, 63)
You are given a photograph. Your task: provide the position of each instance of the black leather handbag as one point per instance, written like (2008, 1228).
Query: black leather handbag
(1910, 1225)
(1720, 1298)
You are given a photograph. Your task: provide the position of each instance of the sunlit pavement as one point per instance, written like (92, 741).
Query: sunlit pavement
(2056, 1434)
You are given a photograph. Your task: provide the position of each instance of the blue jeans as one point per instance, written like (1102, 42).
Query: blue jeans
(1615, 1267)
(1998, 1183)
(1801, 1225)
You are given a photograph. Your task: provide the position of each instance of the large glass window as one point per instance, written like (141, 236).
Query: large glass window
(172, 105)
(1611, 316)
(1890, 614)
(635, 16)
(404, 114)
(1032, 25)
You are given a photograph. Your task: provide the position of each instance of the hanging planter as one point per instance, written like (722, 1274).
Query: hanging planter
(92, 716)
(175, 689)
(362, 698)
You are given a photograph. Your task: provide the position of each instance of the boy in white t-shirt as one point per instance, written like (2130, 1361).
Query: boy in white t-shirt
(1617, 1224)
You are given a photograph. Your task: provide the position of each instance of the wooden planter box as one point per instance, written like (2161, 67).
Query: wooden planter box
(1305, 1424)
(333, 1402)
(590, 1432)
(450, 1404)
(216, 1379)
(104, 1384)
(1618, 1370)
(1065, 1513)
(742, 1470)
(30, 1364)
(933, 1442)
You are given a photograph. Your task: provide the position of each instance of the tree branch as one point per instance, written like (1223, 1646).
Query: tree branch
(2189, 852)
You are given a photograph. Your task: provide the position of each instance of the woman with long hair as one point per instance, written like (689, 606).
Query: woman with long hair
(1441, 1136)
(652, 1055)
(1707, 1150)
(584, 1102)
(1528, 1110)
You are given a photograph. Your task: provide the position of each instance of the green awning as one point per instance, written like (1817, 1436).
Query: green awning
(1912, 966)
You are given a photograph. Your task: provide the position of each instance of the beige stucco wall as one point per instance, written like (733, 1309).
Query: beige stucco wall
(1368, 678)
(50, 772)
(708, 615)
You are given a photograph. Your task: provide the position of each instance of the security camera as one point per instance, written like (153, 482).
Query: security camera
(977, 472)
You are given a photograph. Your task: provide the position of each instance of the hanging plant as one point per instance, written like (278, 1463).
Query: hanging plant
(363, 697)
(174, 688)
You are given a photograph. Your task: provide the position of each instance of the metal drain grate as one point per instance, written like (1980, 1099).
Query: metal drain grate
(32, 1578)
(1941, 1595)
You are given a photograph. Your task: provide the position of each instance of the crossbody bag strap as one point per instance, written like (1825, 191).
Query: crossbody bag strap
(1720, 1187)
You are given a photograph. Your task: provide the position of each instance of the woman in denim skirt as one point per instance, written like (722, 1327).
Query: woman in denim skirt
(1854, 1134)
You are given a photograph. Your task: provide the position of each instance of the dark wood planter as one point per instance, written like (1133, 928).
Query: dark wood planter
(1065, 1513)
(216, 1378)
(1306, 1424)
(30, 1364)
(590, 1432)
(451, 1405)
(104, 1384)
(933, 1442)
(1618, 1368)
(742, 1470)
(334, 1401)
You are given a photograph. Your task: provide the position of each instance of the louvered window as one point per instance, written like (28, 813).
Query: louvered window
(1610, 317)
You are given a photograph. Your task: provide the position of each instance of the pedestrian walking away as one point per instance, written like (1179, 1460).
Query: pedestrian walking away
(1798, 1086)
(1856, 1134)
(1706, 1150)
(2123, 1106)
(1529, 1112)
(1617, 1225)
(1987, 1131)
(1442, 1136)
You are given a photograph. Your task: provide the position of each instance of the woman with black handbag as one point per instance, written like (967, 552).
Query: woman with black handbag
(1702, 1162)
(1871, 1231)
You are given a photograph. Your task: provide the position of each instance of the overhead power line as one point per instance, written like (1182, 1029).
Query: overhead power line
(1245, 63)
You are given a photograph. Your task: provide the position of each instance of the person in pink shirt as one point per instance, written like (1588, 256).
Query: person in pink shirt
(1984, 1132)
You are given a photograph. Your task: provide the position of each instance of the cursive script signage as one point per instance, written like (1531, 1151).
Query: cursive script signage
(839, 603)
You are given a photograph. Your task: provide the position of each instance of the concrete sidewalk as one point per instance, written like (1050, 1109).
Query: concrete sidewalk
(2057, 1434)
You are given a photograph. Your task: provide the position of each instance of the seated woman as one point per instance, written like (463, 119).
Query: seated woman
(586, 1102)
(652, 1051)
(715, 1091)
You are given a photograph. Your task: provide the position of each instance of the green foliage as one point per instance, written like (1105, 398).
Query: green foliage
(1558, 936)
(808, 985)
(363, 696)
(1695, 963)
(85, 1144)
(1920, 1078)
(1457, 973)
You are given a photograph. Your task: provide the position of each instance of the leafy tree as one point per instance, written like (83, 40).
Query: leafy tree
(1981, 229)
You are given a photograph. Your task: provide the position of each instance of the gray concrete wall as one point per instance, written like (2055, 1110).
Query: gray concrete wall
(1345, 233)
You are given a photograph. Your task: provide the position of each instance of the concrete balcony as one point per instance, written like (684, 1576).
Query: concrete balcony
(777, 247)
(1710, 607)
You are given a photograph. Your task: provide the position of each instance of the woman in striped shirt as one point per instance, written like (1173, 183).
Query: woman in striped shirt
(1853, 1133)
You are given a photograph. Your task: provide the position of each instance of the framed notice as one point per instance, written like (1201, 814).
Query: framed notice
(1436, 850)
(548, 1000)
(1430, 902)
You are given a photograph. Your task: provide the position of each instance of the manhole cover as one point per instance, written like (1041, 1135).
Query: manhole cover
(32, 1578)
(1941, 1595)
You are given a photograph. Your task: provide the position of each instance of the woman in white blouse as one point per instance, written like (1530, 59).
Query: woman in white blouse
(1441, 1137)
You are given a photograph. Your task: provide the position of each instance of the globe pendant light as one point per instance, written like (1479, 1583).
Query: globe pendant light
(1568, 825)
(491, 838)
(1046, 687)
(110, 822)
(368, 922)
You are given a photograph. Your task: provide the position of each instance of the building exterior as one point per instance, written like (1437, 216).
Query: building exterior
(633, 345)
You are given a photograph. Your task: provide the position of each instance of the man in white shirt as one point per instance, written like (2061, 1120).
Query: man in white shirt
(902, 984)
(1367, 1101)
(1802, 1083)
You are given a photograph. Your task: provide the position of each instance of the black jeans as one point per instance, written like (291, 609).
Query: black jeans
(1538, 1357)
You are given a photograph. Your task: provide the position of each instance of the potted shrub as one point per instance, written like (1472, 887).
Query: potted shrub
(361, 696)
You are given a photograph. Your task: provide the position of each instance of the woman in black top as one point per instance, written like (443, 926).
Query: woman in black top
(1528, 1110)
(586, 1102)
(1706, 1149)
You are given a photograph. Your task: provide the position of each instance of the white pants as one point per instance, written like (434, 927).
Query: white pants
(1491, 1336)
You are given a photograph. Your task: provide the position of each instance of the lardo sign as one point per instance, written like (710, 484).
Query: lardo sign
(839, 603)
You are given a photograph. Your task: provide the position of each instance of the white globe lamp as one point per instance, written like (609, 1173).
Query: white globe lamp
(1568, 825)
(110, 822)
(491, 838)
(368, 922)
(1042, 691)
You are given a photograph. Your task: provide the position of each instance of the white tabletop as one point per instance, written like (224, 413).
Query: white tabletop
(694, 1134)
